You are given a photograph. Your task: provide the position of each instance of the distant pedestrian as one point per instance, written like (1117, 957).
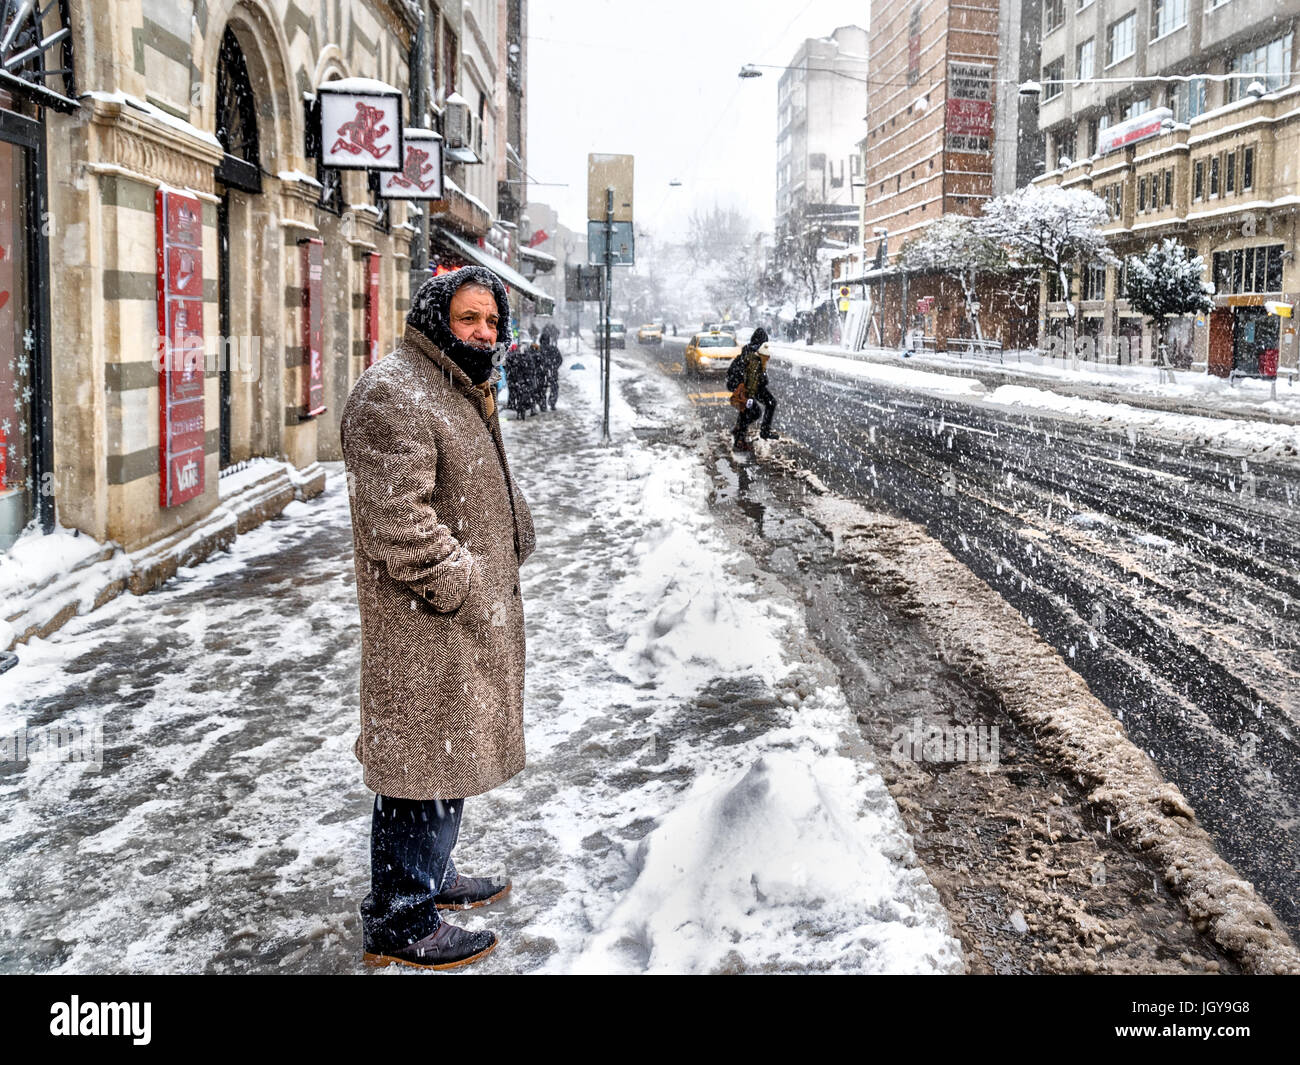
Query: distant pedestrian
(749, 368)
(439, 531)
(552, 360)
(518, 382)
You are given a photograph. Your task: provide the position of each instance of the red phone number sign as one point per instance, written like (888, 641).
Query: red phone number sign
(179, 232)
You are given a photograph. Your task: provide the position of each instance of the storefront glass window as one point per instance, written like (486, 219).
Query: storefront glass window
(17, 350)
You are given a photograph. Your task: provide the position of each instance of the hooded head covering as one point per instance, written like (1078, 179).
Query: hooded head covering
(757, 339)
(430, 313)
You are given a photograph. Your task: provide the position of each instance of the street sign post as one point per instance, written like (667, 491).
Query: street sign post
(624, 243)
(609, 203)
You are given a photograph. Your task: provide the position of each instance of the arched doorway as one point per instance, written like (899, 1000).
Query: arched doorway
(239, 179)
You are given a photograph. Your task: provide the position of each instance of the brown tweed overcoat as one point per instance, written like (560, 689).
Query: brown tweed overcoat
(439, 531)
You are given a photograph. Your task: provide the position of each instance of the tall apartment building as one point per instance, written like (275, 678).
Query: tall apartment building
(821, 101)
(930, 134)
(1208, 157)
(946, 131)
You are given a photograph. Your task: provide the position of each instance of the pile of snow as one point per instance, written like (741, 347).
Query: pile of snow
(795, 859)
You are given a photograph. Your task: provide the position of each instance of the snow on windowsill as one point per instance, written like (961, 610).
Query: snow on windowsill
(156, 113)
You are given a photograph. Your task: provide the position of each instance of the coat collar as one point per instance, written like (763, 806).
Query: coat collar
(483, 396)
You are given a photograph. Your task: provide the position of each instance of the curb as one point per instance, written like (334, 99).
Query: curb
(43, 609)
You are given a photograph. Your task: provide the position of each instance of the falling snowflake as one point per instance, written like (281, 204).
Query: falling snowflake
(27, 394)
(22, 365)
(29, 340)
(4, 426)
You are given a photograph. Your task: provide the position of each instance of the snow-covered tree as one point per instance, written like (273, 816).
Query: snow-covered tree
(798, 253)
(1167, 282)
(955, 245)
(1050, 227)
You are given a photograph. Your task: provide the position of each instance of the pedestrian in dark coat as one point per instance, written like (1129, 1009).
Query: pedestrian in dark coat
(439, 532)
(752, 366)
(552, 360)
(517, 382)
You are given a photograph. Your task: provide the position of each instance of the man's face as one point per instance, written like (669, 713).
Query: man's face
(474, 316)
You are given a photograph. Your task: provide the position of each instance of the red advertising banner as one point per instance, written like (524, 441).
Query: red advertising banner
(313, 313)
(372, 308)
(973, 118)
(179, 235)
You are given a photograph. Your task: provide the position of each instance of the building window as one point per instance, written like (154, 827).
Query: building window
(1094, 283)
(1167, 16)
(1214, 175)
(1083, 59)
(1065, 146)
(1142, 193)
(1140, 106)
(1230, 173)
(1248, 270)
(1248, 168)
(1121, 38)
(1269, 63)
(1169, 188)
(1187, 99)
(1053, 78)
(1198, 180)
(1053, 15)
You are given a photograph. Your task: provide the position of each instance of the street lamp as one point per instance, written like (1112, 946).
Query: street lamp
(749, 71)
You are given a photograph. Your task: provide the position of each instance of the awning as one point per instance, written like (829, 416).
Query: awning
(472, 252)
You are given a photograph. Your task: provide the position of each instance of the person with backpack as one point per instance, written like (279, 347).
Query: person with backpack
(748, 371)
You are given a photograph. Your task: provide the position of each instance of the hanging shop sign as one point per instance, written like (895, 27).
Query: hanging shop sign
(421, 175)
(361, 125)
(1131, 130)
(179, 233)
(313, 314)
(372, 308)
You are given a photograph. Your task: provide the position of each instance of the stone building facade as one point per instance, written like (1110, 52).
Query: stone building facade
(110, 112)
(1206, 157)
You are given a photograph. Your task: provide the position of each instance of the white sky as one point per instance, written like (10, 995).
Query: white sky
(657, 79)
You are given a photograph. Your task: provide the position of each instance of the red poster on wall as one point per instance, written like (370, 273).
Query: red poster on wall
(372, 308)
(179, 234)
(313, 313)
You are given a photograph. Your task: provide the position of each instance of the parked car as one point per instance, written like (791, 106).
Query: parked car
(617, 334)
(710, 353)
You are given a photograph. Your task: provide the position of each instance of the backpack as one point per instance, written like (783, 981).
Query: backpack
(736, 372)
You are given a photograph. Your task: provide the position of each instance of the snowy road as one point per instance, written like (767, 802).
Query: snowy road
(1157, 553)
(697, 797)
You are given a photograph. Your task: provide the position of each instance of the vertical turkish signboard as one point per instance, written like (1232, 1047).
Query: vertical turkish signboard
(313, 313)
(372, 308)
(914, 46)
(179, 232)
(968, 121)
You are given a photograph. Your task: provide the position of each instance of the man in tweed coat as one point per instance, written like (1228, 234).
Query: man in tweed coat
(439, 532)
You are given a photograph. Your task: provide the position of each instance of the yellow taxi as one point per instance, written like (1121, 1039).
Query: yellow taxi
(711, 352)
(650, 334)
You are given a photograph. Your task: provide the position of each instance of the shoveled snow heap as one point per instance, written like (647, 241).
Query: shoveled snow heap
(995, 645)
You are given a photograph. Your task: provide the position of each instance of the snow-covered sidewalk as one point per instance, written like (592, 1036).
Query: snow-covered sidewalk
(697, 796)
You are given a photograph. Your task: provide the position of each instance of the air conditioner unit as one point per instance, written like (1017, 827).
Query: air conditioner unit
(456, 122)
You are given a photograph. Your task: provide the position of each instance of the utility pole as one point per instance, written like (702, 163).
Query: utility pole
(609, 296)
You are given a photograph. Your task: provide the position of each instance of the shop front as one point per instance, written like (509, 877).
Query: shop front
(35, 76)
